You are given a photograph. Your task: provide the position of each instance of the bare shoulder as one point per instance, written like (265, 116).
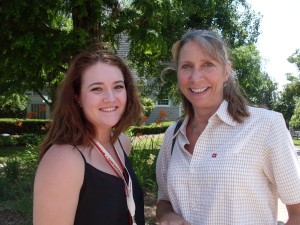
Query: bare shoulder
(62, 155)
(57, 185)
(61, 161)
(126, 143)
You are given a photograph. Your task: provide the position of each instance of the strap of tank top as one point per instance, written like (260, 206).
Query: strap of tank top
(81, 154)
(121, 144)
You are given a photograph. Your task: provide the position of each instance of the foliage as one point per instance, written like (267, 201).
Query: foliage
(158, 24)
(296, 142)
(295, 120)
(286, 100)
(23, 126)
(256, 84)
(20, 140)
(148, 105)
(286, 103)
(16, 183)
(141, 142)
(7, 141)
(14, 101)
(295, 58)
(67, 27)
(143, 163)
(154, 128)
(13, 105)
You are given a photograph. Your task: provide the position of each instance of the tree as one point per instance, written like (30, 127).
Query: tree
(158, 25)
(295, 58)
(257, 85)
(295, 120)
(13, 106)
(287, 99)
(39, 40)
(286, 103)
(148, 105)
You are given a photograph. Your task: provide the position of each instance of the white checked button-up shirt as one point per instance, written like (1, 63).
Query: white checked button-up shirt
(236, 173)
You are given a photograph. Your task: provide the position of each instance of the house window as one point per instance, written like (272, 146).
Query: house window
(38, 111)
(163, 102)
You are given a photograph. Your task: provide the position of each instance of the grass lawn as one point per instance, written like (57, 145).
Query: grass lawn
(12, 153)
(296, 142)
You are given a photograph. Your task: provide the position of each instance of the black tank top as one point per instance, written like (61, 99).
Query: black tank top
(102, 199)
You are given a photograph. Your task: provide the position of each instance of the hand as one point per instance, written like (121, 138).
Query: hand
(173, 219)
(294, 214)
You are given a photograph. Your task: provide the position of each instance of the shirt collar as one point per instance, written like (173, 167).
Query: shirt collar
(222, 114)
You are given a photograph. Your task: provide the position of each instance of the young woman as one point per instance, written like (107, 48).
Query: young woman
(84, 176)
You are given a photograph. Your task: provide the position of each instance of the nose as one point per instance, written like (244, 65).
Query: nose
(109, 96)
(196, 75)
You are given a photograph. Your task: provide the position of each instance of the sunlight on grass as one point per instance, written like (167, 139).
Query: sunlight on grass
(147, 141)
(296, 142)
(12, 152)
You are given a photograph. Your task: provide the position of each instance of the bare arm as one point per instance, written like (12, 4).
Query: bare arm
(294, 214)
(165, 214)
(57, 185)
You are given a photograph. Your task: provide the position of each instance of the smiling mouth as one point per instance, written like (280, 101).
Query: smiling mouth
(198, 90)
(108, 109)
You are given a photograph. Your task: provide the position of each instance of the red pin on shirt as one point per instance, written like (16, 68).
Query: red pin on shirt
(214, 155)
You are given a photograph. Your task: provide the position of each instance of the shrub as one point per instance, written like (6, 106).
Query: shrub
(148, 105)
(295, 120)
(21, 126)
(143, 163)
(29, 139)
(20, 140)
(7, 141)
(16, 184)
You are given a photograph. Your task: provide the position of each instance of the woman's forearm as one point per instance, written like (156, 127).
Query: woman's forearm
(163, 207)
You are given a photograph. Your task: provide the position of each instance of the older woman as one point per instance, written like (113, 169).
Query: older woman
(230, 162)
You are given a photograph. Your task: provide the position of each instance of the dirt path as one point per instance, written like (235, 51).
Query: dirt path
(150, 207)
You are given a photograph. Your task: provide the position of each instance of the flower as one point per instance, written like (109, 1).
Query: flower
(138, 134)
(150, 161)
(158, 122)
(144, 118)
(163, 114)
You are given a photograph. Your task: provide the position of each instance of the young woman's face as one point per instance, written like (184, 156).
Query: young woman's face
(103, 95)
(200, 77)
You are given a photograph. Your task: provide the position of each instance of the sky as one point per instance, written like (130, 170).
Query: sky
(279, 36)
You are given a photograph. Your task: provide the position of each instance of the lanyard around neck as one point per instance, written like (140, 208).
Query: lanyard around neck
(119, 172)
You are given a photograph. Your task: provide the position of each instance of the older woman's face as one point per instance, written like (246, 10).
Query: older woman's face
(200, 77)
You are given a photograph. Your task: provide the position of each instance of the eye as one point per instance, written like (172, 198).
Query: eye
(120, 86)
(186, 66)
(97, 89)
(207, 65)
